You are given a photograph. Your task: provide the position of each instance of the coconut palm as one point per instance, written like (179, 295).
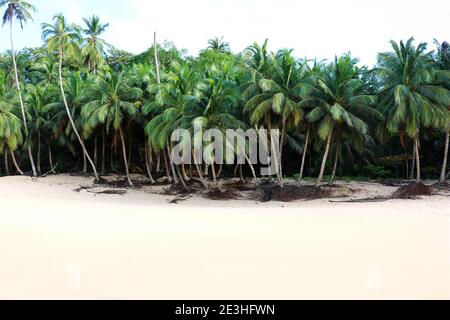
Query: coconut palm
(10, 128)
(340, 106)
(443, 63)
(219, 45)
(19, 10)
(410, 100)
(111, 102)
(65, 38)
(94, 47)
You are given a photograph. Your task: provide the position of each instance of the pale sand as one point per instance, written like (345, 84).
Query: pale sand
(55, 243)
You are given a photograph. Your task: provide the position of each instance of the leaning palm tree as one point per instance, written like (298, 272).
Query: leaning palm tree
(65, 38)
(113, 102)
(21, 11)
(410, 100)
(94, 47)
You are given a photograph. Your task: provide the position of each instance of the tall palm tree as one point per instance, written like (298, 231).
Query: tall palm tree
(65, 38)
(340, 107)
(443, 63)
(111, 102)
(410, 100)
(94, 47)
(21, 11)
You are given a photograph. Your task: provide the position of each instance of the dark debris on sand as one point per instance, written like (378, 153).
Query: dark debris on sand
(290, 193)
(413, 191)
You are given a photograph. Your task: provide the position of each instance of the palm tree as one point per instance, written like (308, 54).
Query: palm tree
(111, 101)
(340, 107)
(410, 100)
(65, 38)
(94, 47)
(10, 129)
(218, 45)
(443, 63)
(21, 11)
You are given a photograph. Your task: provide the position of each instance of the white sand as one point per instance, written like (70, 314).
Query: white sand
(55, 243)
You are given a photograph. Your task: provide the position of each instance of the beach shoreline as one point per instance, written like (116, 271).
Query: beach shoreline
(61, 244)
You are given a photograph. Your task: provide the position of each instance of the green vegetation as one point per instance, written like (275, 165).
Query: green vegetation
(77, 101)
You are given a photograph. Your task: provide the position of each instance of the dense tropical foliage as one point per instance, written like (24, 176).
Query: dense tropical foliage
(78, 101)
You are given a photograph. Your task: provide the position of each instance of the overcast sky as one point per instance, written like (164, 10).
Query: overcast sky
(314, 28)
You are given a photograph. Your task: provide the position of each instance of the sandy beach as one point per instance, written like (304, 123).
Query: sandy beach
(59, 244)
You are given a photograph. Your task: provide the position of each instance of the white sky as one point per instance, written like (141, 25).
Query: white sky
(320, 28)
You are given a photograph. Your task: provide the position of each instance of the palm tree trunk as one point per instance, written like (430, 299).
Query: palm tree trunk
(280, 158)
(302, 168)
(13, 157)
(241, 174)
(183, 170)
(418, 177)
(324, 161)
(213, 170)
(72, 123)
(103, 152)
(252, 168)
(50, 159)
(84, 162)
(158, 163)
(5, 152)
(336, 159)
(124, 151)
(22, 108)
(39, 153)
(444, 164)
(169, 178)
(148, 163)
(413, 163)
(158, 75)
(95, 149)
(174, 173)
(199, 170)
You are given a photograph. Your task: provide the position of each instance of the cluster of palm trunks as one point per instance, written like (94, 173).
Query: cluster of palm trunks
(78, 104)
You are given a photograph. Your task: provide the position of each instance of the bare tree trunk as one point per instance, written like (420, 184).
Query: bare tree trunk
(22, 108)
(13, 157)
(39, 153)
(444, 164)
(124, 151)
(74, 128)
(324, 161)
(336, 159)
(418, 176)
(302, 168)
